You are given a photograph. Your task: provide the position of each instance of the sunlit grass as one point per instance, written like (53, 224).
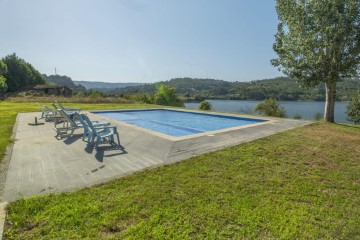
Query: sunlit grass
(302, 183)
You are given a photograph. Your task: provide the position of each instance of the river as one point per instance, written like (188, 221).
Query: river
(307, 110)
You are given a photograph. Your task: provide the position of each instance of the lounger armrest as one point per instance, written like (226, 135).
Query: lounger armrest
(107, 127)
(73, 109)
(99, 124)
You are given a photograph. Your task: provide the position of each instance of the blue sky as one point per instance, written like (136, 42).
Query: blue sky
(142, 40)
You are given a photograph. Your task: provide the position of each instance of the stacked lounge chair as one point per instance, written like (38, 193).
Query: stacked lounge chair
(70, 119)
(71, 124)
(67, 109)
(100, 133)
(47, 113)
(41, 109)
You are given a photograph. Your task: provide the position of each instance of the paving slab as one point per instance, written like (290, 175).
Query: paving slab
(40, 163)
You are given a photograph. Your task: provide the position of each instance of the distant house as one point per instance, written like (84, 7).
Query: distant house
(53, 90)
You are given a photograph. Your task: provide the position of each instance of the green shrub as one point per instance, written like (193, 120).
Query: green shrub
(353, 109)
(167, 96)
(96, 94)
(270, 107)
(318, 116)
(204, 105)
(79, 94)
(144, 98)
(139, 97)
(297, 116)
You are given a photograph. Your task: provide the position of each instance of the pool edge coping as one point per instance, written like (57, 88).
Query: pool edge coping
(173, 138)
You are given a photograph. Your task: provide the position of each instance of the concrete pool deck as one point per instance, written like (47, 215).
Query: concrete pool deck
(39, 163)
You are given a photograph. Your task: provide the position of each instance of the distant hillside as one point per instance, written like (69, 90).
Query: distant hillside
(281, 88)
(284, 88)
(183, 86)
(105, 85)
(64, 81)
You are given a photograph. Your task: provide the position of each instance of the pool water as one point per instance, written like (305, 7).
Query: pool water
(177, 123)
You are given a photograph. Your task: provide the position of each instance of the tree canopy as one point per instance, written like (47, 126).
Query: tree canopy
(167, 96)
(318, 41)
(353, 109)
(3, 85)
(3, 68)
(20, 74)
(64, 81)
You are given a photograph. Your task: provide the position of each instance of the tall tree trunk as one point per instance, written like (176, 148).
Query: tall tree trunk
(330, 101)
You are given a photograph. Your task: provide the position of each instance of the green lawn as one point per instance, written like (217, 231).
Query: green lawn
(303, 183)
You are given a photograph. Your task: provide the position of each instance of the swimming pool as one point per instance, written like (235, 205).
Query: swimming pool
(177, 123)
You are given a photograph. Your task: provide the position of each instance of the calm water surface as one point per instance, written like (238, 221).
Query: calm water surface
(307, 110)
(177, 123)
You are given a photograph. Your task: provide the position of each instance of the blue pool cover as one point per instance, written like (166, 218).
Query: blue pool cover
(177, 123)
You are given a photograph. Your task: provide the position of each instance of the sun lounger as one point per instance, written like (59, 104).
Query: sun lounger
(101, 133)
(57, 109)
(48, 114)
(41, 109)
(71, 124)
(87, 131)
(67, 109)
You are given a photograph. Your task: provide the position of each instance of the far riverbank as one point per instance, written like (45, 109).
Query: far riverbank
(307, 109)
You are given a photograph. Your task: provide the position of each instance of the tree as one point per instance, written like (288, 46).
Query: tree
(3, 68)
(318, 41)
(270, 107)
(3, 86)
(353, 109)
(20, 74)
(167, 96)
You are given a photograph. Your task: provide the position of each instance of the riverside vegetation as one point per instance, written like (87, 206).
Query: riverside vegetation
(16, 74)
(353, 109)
